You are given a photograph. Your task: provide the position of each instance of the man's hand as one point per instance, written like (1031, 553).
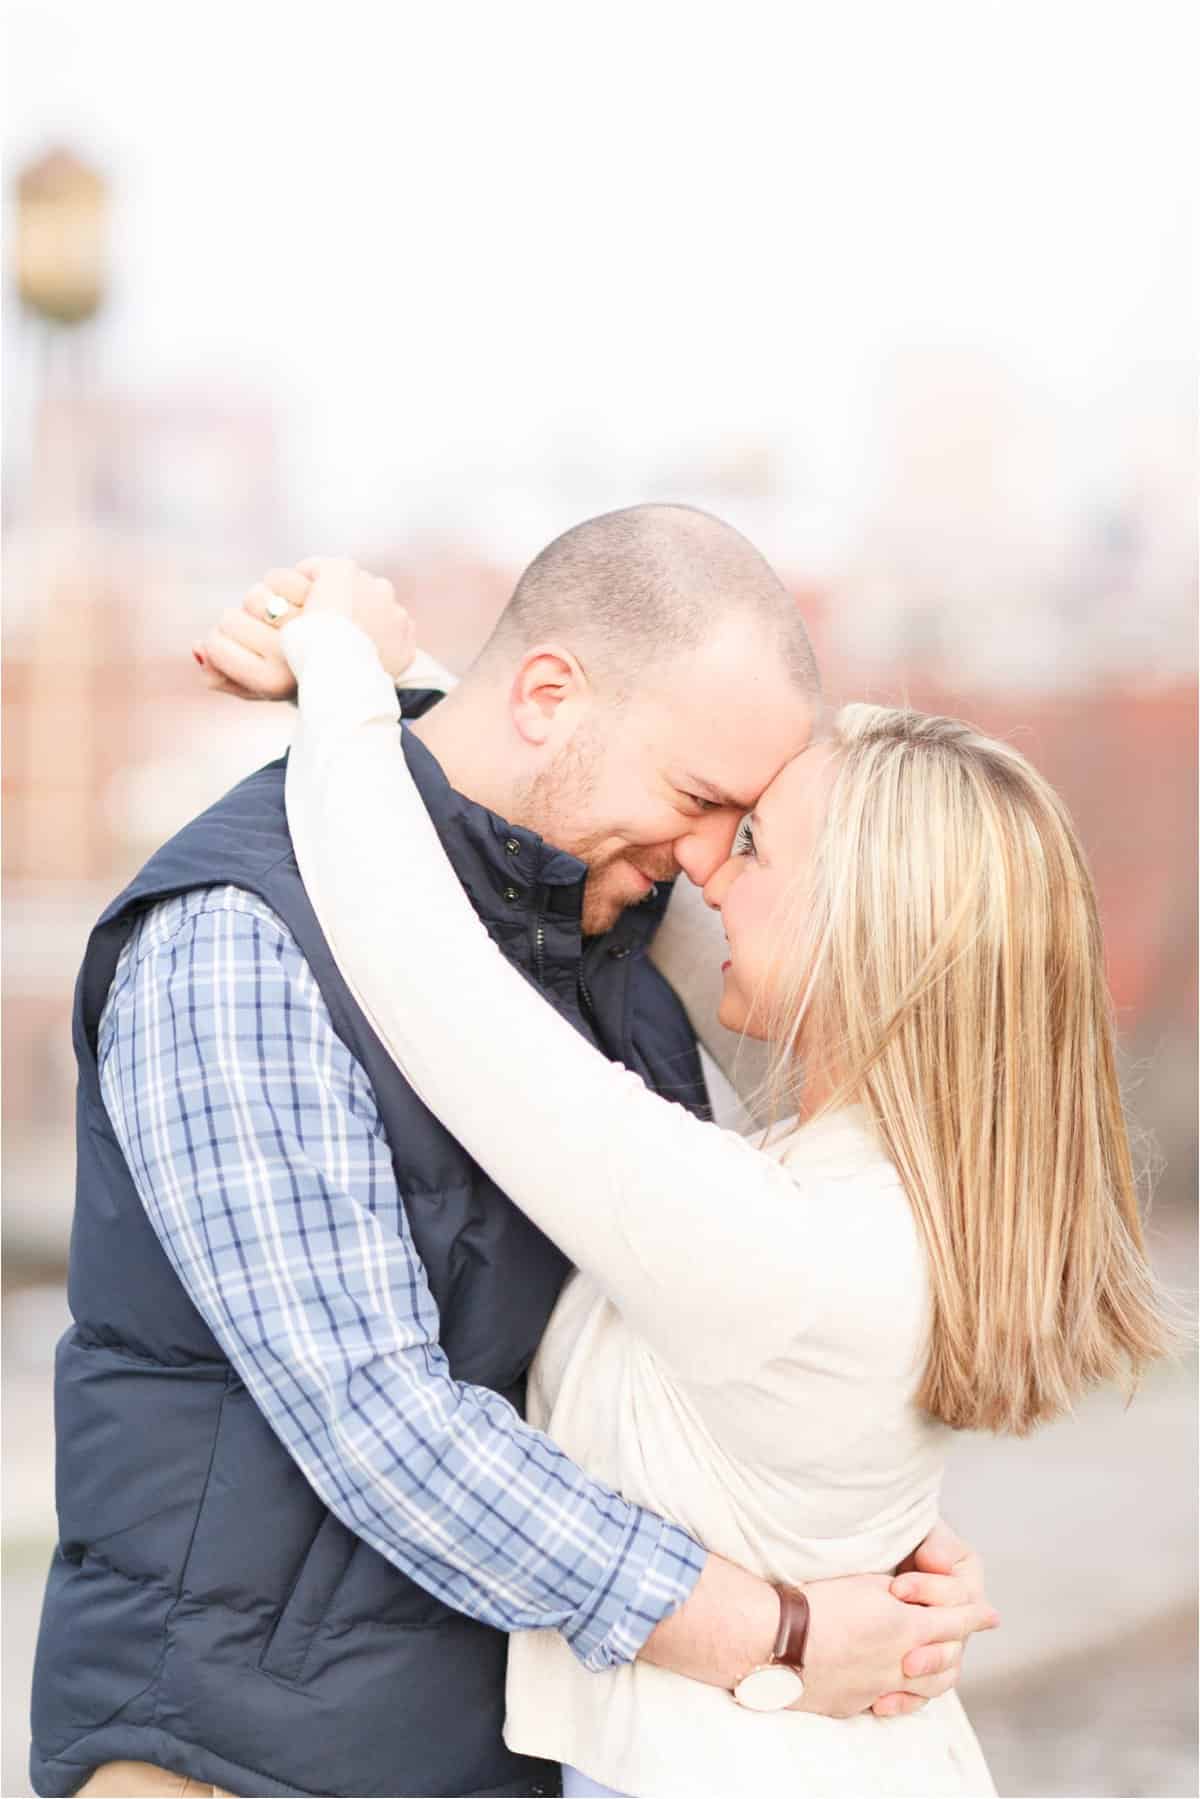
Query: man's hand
(944, 1574)
(243, 656)
(863, 1641)
(861, 1637)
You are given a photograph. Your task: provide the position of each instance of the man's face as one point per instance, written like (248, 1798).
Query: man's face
(657, 787)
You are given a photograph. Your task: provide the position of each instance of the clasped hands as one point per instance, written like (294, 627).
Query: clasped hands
(243, 656)
(858, 1634)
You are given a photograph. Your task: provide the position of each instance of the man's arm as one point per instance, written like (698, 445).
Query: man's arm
(254, 1143)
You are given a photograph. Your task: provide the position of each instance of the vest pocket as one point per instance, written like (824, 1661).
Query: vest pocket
(308, 1603)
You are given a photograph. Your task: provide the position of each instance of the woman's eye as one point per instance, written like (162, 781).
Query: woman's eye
(744, 841)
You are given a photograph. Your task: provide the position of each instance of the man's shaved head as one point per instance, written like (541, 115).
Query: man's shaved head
(631, 590)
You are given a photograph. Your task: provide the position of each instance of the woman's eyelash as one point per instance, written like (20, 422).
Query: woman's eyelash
(744, 842)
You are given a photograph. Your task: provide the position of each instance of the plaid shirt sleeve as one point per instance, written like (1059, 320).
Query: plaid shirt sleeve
(256, 1148)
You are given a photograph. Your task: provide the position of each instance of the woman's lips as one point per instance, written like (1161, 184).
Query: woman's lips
(725, 967)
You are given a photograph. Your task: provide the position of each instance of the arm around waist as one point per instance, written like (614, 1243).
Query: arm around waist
(254, 1143)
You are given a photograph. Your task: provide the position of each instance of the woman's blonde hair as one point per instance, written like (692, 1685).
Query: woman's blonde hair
(945, 954)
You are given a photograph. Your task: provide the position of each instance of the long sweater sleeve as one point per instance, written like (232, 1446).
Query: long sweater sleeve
(630, 1186)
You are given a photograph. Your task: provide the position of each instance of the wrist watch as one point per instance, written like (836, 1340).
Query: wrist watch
(778, 1683)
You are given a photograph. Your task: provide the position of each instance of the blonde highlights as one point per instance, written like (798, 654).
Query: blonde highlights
(944, 952)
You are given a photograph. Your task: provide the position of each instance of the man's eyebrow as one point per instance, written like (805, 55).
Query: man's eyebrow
(706, 789)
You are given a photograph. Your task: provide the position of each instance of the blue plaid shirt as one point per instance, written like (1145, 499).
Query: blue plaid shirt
(255, 1144)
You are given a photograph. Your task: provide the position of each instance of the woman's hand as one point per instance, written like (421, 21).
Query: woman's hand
(243, 655)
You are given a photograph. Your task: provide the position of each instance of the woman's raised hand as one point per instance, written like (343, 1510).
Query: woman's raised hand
(243, 655)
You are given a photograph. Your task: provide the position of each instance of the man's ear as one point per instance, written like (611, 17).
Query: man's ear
(548, 691)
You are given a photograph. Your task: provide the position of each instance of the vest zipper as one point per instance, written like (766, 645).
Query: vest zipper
(585, 1000)
(539, 968)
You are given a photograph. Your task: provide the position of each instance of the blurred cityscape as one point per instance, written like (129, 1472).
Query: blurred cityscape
(967, 575)
(131, 519)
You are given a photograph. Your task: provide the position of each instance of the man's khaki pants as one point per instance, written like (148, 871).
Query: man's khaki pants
(140, 1780)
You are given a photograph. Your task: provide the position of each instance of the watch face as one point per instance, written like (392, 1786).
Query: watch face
(769, 1688)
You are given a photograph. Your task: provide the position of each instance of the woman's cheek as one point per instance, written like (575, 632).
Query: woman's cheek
(732, 1010)
(751, 937)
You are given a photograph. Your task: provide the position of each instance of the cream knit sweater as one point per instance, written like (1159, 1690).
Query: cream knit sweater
(740, 1347)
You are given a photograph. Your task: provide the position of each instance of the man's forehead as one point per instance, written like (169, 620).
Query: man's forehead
(733, 770)
(729, 731)
(741, 750)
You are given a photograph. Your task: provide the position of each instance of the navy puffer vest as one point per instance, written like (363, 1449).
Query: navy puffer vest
(204, 1610)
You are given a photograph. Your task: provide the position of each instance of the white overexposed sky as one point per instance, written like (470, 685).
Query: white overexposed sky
(470, 243)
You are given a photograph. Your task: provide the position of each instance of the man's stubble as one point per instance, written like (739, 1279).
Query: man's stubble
(556, 802)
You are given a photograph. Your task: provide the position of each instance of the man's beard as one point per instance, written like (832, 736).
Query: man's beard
(606, 894)
(553, 801)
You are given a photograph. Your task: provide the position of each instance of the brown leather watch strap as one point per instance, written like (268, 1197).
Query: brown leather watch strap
(793, 1627)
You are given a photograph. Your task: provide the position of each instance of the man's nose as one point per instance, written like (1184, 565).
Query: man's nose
(708, 845)
(716, 888)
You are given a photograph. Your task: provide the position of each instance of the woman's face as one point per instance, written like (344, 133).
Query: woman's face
(774, 848)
